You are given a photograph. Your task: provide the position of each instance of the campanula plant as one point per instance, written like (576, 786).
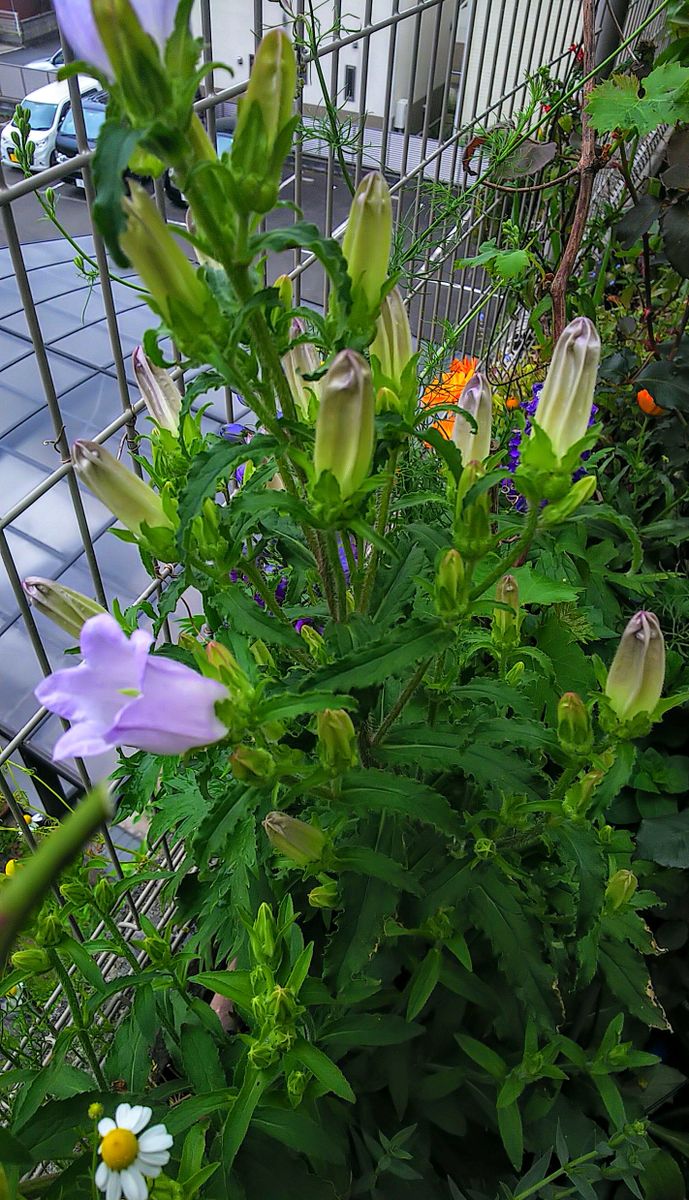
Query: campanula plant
(408, 949)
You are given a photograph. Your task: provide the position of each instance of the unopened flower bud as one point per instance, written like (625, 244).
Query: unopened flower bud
(300, 360)
(506, 619)
(250, 764)
(514, 674)
(337, 748)
(11, 867)
(578, 494)
(388, 401)
(49, 930)
(297, 1083)
(129, 499)
(564, 409)
(392, 345)
(325, 895)
(36, 961)
(620, 889)
(477, 400)
(262, 134)
(301, 843)
(104, 896)
(264, 935)
(635, 679)
(160, 394)
(64, 606)
(285, 290)
(282, 1005)
(157, 950)
(368, 238)
(345, 422)
(76, 893)
(574, 731)
(180, 295)
(95, 1111)
(449, 585)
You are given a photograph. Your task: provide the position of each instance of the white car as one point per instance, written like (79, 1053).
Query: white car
(53, 63)
(47, 107)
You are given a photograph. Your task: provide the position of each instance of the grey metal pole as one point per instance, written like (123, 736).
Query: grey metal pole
(610, 21)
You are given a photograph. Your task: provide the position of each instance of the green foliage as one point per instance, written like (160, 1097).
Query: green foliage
(626, 103)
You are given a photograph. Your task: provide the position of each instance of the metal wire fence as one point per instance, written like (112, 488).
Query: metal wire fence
(408, 85)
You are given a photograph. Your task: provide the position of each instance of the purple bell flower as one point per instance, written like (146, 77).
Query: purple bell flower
(156, 17)
(234, 431)
(120, 695)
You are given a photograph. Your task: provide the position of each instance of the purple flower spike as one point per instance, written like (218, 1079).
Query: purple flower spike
(120, 695)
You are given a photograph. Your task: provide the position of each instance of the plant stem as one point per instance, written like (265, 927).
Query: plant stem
(401, 701)
(520, 548)
(258, 582)
(121, 941)
(77, 1017)
(329, 107)
(337, 576)
(381, 522)
(575, 1162)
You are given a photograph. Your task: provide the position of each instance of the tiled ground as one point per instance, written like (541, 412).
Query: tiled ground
(45, 539)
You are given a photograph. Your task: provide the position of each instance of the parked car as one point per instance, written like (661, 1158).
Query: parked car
(47, 107)
(53, 63)
(94, 107)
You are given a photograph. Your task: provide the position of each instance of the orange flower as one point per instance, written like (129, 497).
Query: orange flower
(647, 404)
(512, 402)
(448, 390)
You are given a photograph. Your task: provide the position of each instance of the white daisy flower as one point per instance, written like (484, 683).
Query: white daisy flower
(129, 1153)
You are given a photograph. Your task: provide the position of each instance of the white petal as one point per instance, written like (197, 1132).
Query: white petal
(156, 1138)
(106, 1125)
(133, 1184)
(114, 1189)
(143, 1116)
(158, 1158)
(102, 1176)
(123, 1116)
(151, 1172)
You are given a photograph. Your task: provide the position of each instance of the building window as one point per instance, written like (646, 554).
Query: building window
(350, 83)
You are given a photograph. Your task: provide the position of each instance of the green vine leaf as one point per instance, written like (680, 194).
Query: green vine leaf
(623, 103)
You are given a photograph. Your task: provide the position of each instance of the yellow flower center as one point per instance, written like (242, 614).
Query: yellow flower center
(119, 1149)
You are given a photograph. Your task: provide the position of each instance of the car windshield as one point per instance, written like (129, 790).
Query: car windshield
(41, 116)
(93, 119)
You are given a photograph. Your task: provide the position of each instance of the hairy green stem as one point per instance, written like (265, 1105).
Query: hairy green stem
(381, 522)
(77, 1017)
(521, 547)
(575, 1162)
(338, 577)
(402, 700)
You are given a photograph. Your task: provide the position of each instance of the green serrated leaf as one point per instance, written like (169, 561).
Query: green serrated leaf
(624, 102)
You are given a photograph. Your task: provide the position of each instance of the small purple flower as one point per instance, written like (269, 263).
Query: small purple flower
(281, 589)
(234, 432)
(301, 622)
(120, 695)
(343, 556)
(77, 22)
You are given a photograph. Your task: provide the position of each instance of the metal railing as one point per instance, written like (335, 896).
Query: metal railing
(458, 65)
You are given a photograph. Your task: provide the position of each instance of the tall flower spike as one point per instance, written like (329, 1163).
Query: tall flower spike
(345, 424)
(367, 240)
(476, 400)
(129, 499)
(636, 676)
(564, 408)
(160, 394)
